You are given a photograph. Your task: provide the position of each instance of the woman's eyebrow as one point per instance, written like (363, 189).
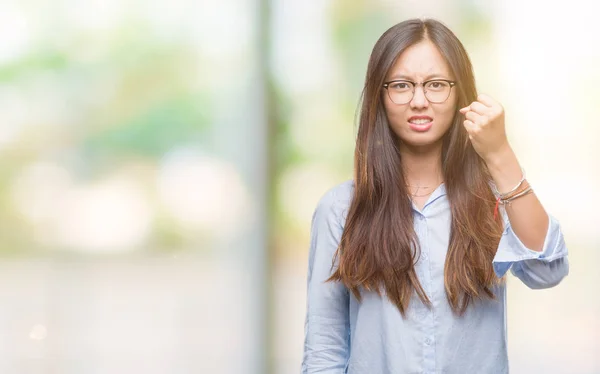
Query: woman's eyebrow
(402, 76)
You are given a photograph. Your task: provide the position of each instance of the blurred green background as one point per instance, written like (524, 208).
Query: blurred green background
(160, 163)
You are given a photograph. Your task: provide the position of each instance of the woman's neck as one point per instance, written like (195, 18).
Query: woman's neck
(422, 167)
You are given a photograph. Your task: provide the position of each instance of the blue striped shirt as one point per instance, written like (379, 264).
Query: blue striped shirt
(343, 335)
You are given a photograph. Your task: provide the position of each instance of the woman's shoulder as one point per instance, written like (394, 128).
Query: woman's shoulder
(337, 199)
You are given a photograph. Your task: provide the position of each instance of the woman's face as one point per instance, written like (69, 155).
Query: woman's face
(418, 63)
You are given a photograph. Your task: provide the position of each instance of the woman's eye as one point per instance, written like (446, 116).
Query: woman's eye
(438, 85)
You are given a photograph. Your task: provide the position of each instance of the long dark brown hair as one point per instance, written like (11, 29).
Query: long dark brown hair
(379, 246)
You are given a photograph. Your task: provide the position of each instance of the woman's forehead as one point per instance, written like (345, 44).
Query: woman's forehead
(420, 61)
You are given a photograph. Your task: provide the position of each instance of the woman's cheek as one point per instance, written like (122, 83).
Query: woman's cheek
(448, 115)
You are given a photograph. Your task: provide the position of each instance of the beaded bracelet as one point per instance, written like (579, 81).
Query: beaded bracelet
(508, 200)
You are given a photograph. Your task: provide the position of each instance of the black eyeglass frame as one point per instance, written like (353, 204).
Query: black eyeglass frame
(452, 83)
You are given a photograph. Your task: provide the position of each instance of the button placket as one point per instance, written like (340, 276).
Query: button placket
(423, 232)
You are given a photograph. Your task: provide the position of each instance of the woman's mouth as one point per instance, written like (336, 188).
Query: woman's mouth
(420, 124)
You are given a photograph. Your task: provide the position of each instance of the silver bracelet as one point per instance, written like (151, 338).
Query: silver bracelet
(503, 195)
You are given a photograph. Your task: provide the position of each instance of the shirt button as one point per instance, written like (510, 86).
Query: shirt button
(424, 256)
(428, 341)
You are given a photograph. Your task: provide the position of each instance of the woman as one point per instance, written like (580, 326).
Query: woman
(407, 261)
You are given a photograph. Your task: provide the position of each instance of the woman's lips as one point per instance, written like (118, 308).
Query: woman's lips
(420, 127)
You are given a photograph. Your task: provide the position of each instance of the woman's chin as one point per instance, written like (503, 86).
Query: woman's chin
(420, 140)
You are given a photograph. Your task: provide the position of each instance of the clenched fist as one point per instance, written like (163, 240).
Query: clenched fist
(485, 124)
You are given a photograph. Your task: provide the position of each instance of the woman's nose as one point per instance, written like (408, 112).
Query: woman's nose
(419, 100)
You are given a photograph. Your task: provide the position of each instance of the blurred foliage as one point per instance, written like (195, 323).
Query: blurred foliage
(43, 60)
(153, 131)
(127, 96)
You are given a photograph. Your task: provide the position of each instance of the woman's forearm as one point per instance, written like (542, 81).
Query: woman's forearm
(527, 216)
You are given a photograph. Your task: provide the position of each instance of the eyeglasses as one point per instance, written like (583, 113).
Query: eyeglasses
(402, 91)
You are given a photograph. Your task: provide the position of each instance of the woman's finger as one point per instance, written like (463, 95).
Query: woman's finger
(479, 108)
(486, 100)
(475, 117)
(471, 128)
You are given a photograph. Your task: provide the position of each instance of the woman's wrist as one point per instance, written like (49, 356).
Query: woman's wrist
(504, 169)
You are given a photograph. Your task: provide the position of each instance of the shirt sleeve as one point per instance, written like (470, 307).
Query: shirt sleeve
(327, 327)
(537, 270)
